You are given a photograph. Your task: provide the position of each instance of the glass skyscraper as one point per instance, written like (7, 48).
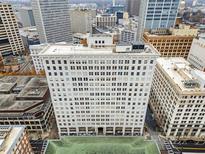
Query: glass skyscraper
(161, 13)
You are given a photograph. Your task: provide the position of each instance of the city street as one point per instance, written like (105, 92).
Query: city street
(163, 144)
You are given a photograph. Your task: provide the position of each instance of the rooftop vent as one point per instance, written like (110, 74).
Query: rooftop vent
(35, 92)
(191, 84)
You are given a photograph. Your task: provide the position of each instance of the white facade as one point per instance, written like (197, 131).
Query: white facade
(100, 40)
(106, 20)
(37, 61)
(52, 20)
(197, 54)
(99, 91)
(128, 35)
(177, 99)
(82, 18)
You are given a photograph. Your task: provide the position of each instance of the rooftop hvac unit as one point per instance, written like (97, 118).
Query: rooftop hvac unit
(191, 84)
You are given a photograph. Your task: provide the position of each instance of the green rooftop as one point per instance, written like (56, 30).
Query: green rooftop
(102, 145)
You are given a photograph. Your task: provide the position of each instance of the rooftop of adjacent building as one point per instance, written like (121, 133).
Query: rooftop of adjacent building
(181, 30)
(183, 75)
(105, 15)
(23, 94)
(9, 136)
(100, 35)
(28, 32)
(135, 48)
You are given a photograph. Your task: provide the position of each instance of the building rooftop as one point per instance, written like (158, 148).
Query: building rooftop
(6, 87)
(28, 95)
(99, 145)
(184, 77)
(9, 136)
(60, 50)
(36, 87)
(12, 83)
(9, 103)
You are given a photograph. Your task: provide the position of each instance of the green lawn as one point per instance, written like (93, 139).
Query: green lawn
(102, 145)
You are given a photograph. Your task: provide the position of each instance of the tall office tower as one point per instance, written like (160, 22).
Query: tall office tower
(133, 7)
(197, 55)
(82, 18)
(178, 99)
(14, 139)
(142, 20)
(161, 14)
(27, 18)
(172, 43)
(10, 40)
(99, 91)
(52, 20)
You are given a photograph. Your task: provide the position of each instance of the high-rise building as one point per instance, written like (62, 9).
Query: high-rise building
(10, 40)
(82, 18)
(197, 54)
(52, 20)
(129, 32)
(37, 61)
(99, 90)
(27, 18)
(133, 7)
(161, 14)
(141, 20)
(106, 20)
(14, 139)
(172, 43)
(177, 99)
(128, 35)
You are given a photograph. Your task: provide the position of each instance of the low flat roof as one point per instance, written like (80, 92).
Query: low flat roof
(99, 145)
(59, 50)
(36, 87)
(27, 92)
(71, 50)
(9, 102)
(6, 87)
(179, 70)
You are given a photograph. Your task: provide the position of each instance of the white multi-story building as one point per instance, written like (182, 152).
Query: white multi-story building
(82, 18)
(52, 20)
(100, 40)
(197, 54)
(10, 40)
(178, 99)
(106, 20)
(37, 61)
(101, 91)
(128, 35)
